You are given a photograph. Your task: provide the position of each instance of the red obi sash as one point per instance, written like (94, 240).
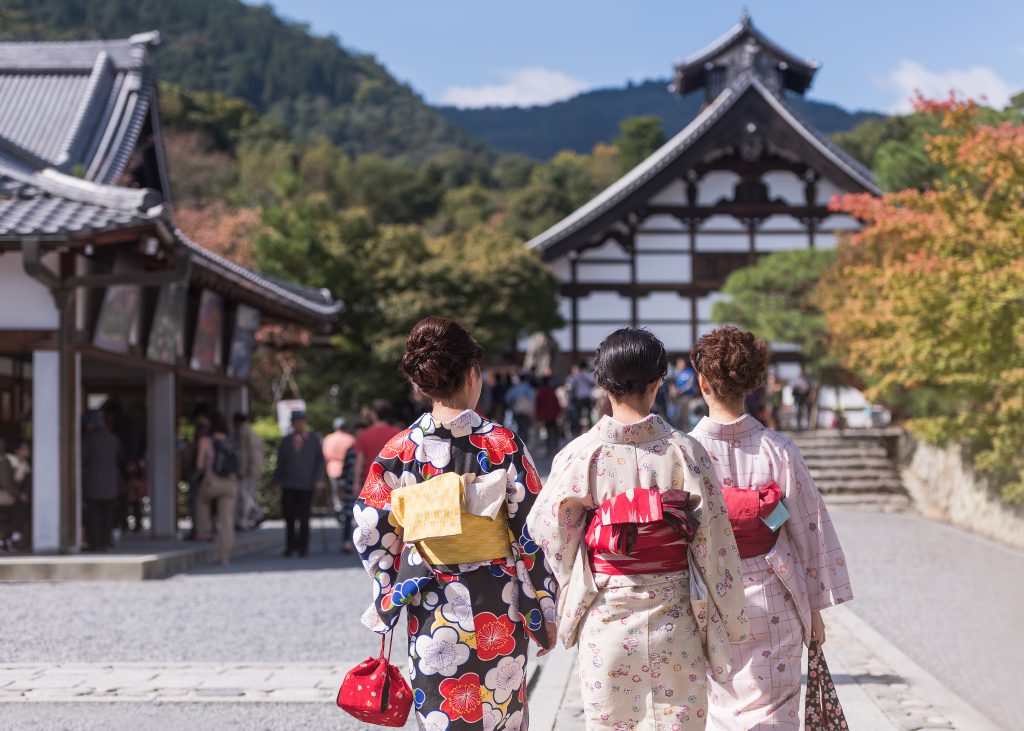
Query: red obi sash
(747, 510)
(641, 532)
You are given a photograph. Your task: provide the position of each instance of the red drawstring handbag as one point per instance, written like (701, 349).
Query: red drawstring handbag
(374, 691)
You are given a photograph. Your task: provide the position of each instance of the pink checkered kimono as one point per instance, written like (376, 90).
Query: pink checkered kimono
(804, 572)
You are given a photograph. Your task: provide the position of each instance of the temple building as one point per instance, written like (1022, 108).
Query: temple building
(102, 298)
(745, 178)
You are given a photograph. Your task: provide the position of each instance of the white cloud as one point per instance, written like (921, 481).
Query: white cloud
(519, 88)
(976, 82)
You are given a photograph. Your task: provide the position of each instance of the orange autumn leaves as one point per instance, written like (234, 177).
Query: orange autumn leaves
(929, 295)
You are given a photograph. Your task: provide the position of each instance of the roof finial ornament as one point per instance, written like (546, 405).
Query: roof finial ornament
(745, 17)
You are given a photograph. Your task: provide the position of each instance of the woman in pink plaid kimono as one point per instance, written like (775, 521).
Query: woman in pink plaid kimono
(793, 565)
(632, 523)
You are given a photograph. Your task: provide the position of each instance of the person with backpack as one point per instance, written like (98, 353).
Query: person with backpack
(219, 467)
(299, 473)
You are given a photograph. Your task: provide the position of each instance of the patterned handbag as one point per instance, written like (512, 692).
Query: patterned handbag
(374, 691)
(822, 711)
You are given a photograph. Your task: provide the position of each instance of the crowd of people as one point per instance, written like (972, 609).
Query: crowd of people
(671, 541)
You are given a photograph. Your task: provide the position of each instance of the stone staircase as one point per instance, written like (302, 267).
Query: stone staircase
(856, 467)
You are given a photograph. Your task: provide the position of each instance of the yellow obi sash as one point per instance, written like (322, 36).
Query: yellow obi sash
(455, 519)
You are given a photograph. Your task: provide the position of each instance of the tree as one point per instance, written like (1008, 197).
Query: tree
(772, 298)
(638, 138)
(929, 296)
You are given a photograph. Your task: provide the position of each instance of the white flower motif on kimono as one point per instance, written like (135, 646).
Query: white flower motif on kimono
(366, 533)
(441, 653)
(465, 423)
(435, 451)
(516, 722)
(492, 717)
(392, 543)
(510, 596)
(430, 599)
(515, 491)
(383, 579)
(459, 606)
(381, 559)
(433, 721)
(507, 678)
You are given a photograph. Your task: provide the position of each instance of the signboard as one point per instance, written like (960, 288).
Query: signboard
(167, 335)
(116, 326)
(247, 322)
(208, 345)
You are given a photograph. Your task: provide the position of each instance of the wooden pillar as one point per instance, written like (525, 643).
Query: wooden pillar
(575, 310)
(693, 320)
(634, 319)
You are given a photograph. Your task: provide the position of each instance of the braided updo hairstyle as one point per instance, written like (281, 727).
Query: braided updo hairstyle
(628, 361)
(733, 361)
(438, 355)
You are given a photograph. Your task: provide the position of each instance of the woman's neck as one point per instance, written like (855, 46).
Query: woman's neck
(724, 413)
(627, 413)
(444, 412)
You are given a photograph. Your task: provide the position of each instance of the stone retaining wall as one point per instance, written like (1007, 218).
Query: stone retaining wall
(943, 485)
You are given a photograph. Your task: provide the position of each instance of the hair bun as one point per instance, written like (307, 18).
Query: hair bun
(734, 362)
(438, 354)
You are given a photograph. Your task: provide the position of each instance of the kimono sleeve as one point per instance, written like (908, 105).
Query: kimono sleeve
(379, 544)
(520, 499)
(813, 535)
(714, 547)
(558, 519)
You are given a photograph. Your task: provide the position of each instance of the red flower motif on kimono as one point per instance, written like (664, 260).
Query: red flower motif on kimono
(430, 470)
(376, 491)
(498, 442)
(400, 446)
(533, 483)
(493, 635)
(462, 698)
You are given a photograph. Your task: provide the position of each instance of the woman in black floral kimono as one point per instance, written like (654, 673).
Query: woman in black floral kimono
(441, 529)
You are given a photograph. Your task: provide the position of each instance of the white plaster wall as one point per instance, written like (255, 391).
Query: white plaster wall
(604, 306)
(610, 249)
(662, 242)
(839, 222)
(563, 337)
(45, 450)
(561, 269)
(661, 220)
(781, 222)
(664, 268)
(825, 240)
(592, 335)
(663, 306)
(780, 242)
(723, 242)
(676, 336)
(825, 190)
(603, 272)
(24, 302)
(716, 185)
(673, 194)
(785, 185)
(704, 304)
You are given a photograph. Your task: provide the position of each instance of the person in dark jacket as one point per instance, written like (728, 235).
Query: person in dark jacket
(101, 454)
(300, 472)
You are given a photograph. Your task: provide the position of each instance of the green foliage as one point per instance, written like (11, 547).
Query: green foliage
(638, 138)
(773, 299)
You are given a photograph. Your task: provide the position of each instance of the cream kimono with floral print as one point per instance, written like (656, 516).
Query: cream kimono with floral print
(608, 460)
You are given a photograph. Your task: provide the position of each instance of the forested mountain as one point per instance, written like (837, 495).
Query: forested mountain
(311, 85)
(594, 116)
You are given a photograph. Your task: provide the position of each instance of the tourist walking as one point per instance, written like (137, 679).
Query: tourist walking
(804, 396)
(548, 413)
(633, 525)
(15, 492)
(522, 400)
(339, 455)
(793, 565)
(298, 475)
(581, 397)
(684, 390)
(440, 528)
(101, 455)
(251, 457)
(217, 457)
(372, 439)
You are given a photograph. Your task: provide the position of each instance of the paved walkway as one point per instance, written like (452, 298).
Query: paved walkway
(880, 688)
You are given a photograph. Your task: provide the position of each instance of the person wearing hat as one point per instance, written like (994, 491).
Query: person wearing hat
(299, 473)
(101, 453)
(340, 457)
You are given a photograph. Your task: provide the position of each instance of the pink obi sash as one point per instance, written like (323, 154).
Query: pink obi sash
(641, 531)
(748, 509)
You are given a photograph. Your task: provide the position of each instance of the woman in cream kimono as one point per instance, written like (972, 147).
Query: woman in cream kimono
(647, 618)
(793, 568)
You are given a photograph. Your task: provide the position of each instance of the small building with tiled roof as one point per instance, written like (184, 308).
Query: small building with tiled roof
(102, 298)
(747, 176)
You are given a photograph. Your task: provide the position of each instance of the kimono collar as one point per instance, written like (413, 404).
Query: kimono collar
(465, 423)
(741, 427)
(650, 429)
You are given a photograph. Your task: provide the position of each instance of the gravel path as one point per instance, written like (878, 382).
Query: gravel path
(949, 599)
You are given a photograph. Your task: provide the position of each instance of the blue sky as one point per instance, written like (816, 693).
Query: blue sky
(477, 52)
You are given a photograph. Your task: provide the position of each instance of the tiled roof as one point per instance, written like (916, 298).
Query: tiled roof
(76, 106)
(635, 179)
(49, 204)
